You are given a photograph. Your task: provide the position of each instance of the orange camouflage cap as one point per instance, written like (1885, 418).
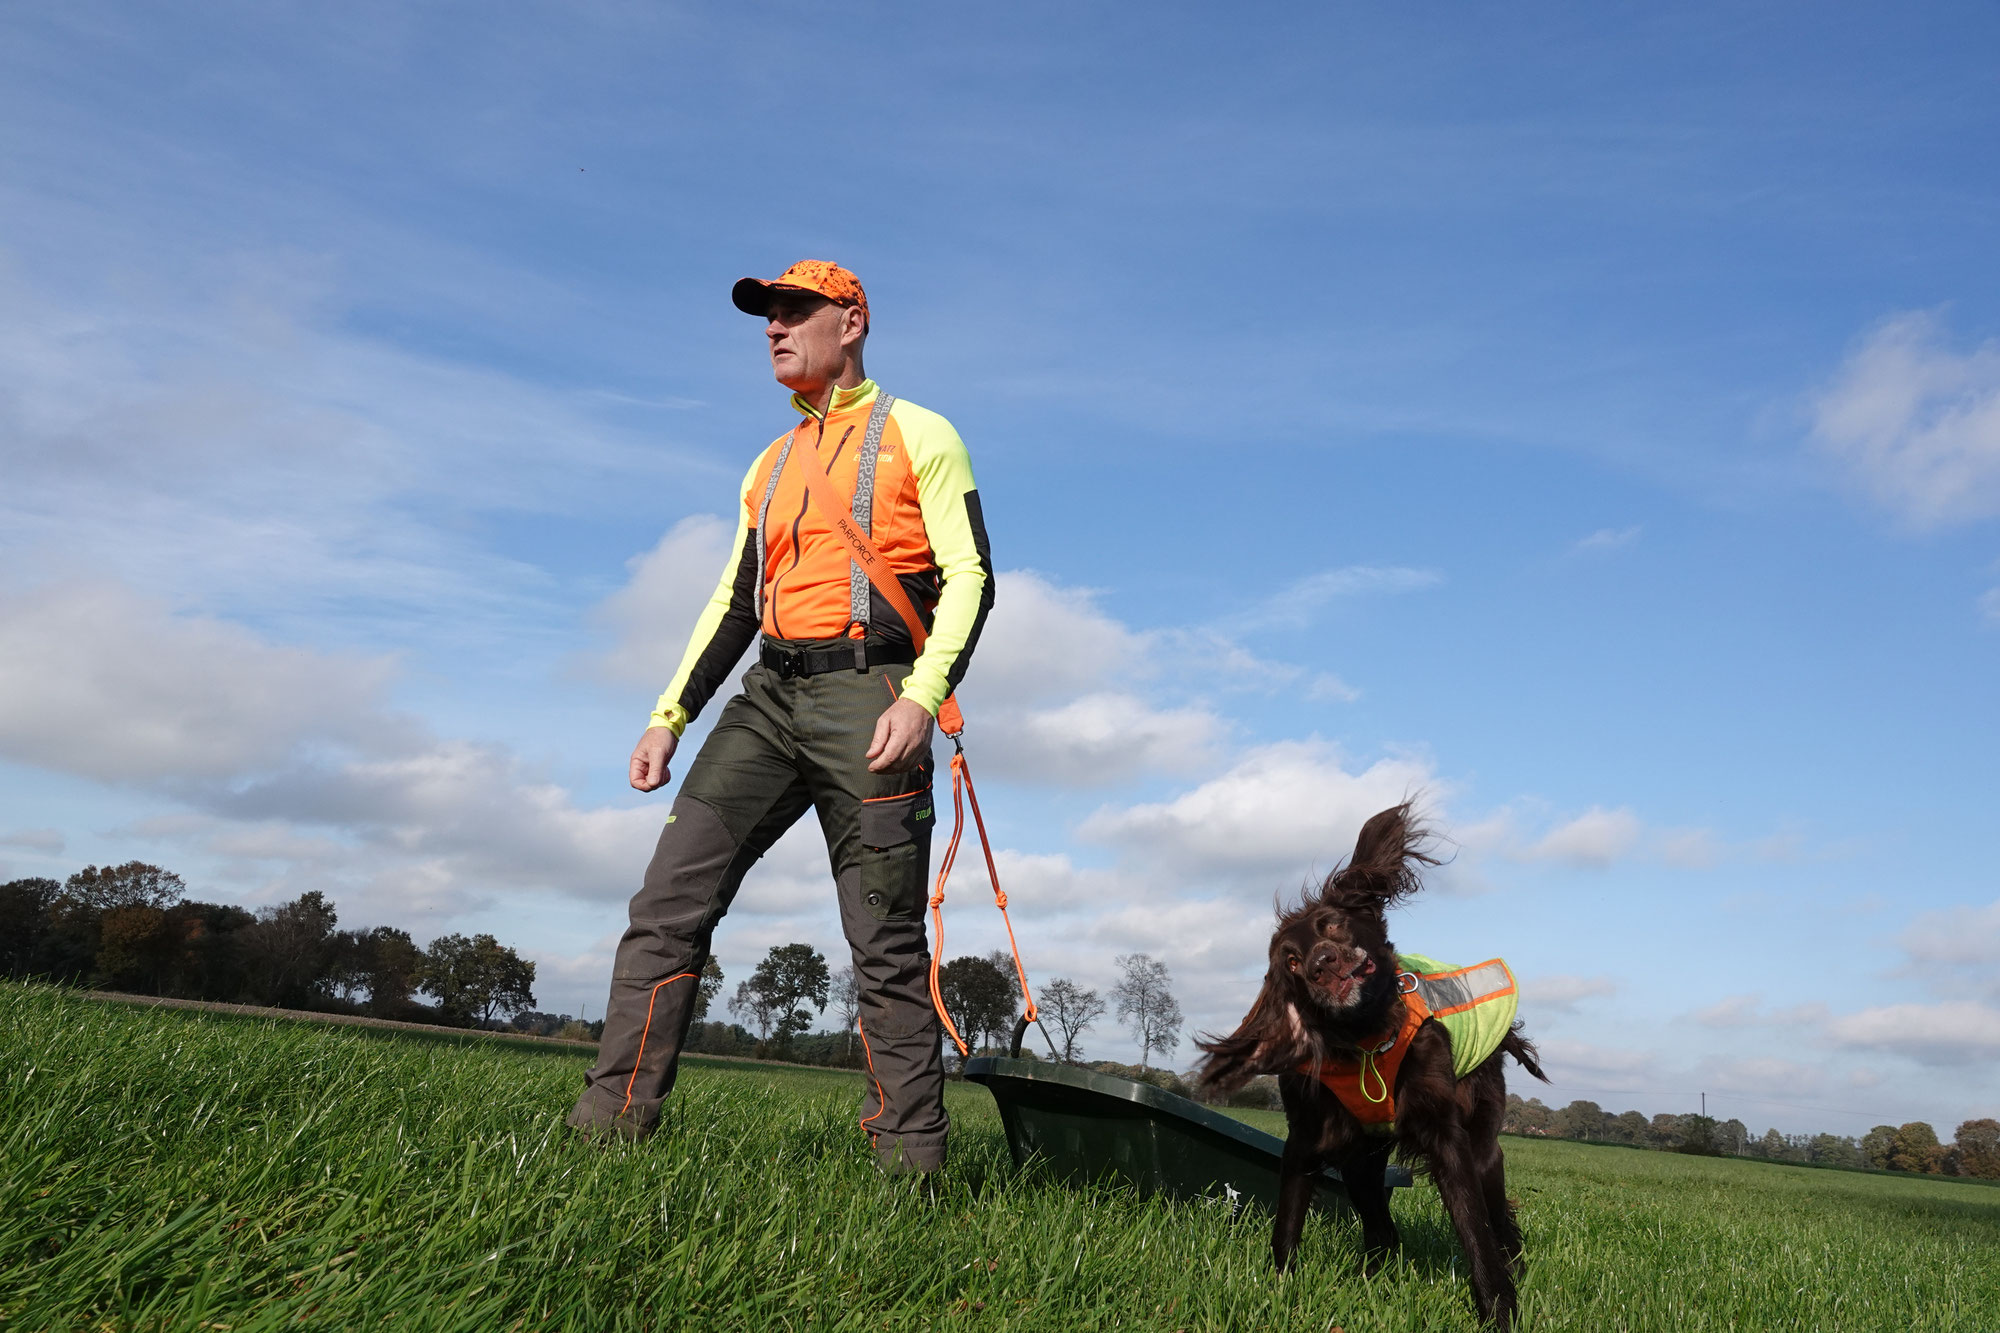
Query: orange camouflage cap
(822, 277)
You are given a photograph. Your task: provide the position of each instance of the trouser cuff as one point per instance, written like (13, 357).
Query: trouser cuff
(903, 1154)
(604, 1115)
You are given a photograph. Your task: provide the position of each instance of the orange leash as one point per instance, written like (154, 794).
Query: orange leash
(835, 509)
(962, 791)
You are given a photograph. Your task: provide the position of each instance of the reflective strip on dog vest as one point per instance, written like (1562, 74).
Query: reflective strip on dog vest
(859, 591)
(1476, 1004)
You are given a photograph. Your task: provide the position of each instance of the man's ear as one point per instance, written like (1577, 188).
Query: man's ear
(853, 325)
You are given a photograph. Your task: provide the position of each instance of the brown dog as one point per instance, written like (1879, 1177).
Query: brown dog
(1333, 993)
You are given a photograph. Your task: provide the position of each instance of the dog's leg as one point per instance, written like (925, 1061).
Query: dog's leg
(1456, 1170)
(1488, 1089)
(1500, 1212)
(1298, 1177)
(1369, 1193)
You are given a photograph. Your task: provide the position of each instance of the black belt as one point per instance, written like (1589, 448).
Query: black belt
(839, 655)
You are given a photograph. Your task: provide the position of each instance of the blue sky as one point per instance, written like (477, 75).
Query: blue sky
(1588, 418)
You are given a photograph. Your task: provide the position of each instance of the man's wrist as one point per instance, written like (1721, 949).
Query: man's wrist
(673, 717)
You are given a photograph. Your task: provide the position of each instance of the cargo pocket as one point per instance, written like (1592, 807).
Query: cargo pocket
(895, 846)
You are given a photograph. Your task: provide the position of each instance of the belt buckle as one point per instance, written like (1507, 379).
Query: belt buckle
(789, 664)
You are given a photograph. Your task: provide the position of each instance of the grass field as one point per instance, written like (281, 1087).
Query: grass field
(173, 1170)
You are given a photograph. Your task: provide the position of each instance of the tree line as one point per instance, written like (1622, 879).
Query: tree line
(1973, 1151)
(132, 928)
(775, 1008)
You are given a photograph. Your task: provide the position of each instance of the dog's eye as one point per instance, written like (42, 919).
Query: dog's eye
(1292, 963)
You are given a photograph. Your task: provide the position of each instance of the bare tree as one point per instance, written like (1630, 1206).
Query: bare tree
(753, 1003)
(1072, 1009)
(846, 1001)
(1146, 1006)
(707, 987)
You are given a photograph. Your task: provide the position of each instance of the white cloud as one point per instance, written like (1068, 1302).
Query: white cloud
(1570, 1061)
(46, 840)
(1915, 423)
(653, 614)
(1689, 849)
(1295, 606)
(1281, 809)
(1566, 994)
(1594, 839)
(99, 681)
(1956, 1032)
(1604, 540)
(1058, 691)
(1954, 948)
(1747, 1011)
(1733, 1011)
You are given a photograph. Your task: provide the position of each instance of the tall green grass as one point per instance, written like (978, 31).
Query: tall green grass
(172, 1170)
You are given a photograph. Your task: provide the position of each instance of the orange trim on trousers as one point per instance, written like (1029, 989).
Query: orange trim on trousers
(645, 1032)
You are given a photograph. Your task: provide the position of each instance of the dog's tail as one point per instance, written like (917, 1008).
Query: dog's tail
(1522, 1050)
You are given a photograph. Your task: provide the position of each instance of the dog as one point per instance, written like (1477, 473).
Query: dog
(1333, 1007)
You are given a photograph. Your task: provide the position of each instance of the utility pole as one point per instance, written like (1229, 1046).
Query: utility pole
(1704, 1106)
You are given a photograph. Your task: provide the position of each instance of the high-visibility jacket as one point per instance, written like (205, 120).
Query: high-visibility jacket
(1475, 1004)
(793, 578)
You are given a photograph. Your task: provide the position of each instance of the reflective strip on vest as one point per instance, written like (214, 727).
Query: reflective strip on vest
(859, 590)
(1455, 991)
(763, 510)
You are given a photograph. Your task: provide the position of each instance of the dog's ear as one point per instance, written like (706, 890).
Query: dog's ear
(1385, 867)
(1273, 1038)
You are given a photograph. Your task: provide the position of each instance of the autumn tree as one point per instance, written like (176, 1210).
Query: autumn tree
(1146, 1005)
(1581, 1119)
(475, 979)
(288, 951)
(1072, 1008)
(978, 996)
(790, 977)
(24, 924)
(1977, 1144)
(391, 969)
(134, 884)
(1916, 1148)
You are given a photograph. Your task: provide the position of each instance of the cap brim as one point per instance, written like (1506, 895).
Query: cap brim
(752, 296)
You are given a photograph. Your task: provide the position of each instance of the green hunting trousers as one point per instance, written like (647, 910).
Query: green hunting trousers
(781, 746)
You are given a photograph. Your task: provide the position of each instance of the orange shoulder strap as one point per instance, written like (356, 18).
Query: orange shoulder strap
(868, 558)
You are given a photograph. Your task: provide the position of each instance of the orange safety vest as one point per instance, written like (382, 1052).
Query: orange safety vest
(1366, 1083)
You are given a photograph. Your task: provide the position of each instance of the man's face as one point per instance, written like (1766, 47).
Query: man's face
(805, 333)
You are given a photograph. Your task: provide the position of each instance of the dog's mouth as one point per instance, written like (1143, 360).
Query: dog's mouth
(1339, 987)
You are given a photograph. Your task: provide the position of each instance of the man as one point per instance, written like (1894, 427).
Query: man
(835, 714)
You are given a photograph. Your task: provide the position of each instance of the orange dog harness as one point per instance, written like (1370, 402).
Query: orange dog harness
(1366, 1084)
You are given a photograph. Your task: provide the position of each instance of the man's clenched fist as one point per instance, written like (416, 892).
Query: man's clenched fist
(650, 756)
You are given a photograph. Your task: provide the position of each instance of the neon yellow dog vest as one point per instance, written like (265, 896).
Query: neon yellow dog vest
(1476, 1005)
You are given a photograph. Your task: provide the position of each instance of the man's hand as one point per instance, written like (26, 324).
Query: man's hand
(650, 756)
(902, 737)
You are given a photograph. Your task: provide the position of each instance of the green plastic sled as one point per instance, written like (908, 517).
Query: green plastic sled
(1090, 1127)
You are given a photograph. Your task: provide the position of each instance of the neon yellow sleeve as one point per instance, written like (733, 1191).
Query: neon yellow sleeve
(956, 528)
(723, 631)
